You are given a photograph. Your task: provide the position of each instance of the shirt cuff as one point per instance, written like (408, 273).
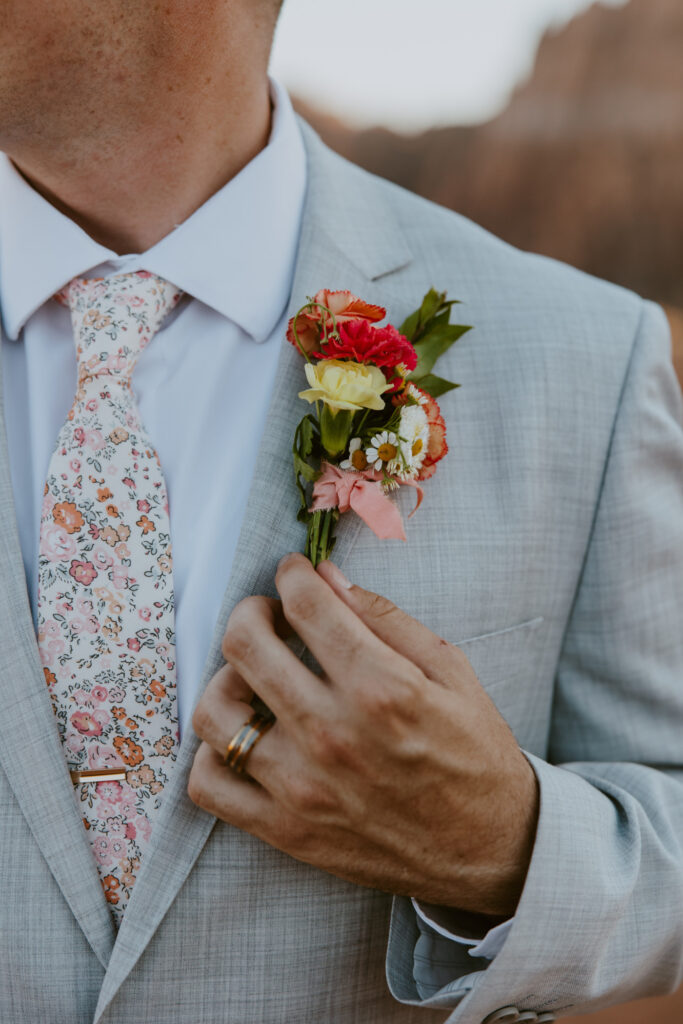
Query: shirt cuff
(487, 947)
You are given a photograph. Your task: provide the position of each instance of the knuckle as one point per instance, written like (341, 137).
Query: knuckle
(196, 790)
(394, 699)
(247, 611)
(300, 605)
(379, 606)
(331, 747)
(238, 636)
(379, 702)
(309, 799)
(202, 720)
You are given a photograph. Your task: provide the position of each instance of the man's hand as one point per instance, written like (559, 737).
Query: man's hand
(393, 769)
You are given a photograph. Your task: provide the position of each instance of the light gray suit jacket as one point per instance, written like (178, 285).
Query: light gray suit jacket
(550, 545)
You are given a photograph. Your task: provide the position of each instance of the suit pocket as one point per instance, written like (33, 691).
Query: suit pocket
(502, 656)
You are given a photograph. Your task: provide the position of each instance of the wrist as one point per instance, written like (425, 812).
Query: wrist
(489, 884)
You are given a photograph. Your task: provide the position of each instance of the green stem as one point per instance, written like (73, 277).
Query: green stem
(320, 540)
(327, 522)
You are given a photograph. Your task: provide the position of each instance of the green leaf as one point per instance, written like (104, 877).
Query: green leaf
(431, 304)
(304, 469)
(441, 318)
(433, 345)
(434, 385)
(302, 450)
(434, 311)
(414, 326)
(304, 436)
(409, 326)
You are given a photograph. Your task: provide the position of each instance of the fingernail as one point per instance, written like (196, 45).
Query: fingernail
(338, 577)
(286, 558)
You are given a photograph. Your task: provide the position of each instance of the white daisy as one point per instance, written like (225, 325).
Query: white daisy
(415, 394)
(383, 451)
(413, 432)
(356, 459)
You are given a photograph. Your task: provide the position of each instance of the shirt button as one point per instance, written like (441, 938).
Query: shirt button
(506, 1015)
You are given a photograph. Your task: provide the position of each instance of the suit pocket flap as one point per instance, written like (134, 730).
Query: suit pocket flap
(500, 656)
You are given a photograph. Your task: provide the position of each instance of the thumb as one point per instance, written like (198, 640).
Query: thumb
(434, 656)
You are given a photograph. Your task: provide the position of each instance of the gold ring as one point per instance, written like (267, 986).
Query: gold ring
(244, 741)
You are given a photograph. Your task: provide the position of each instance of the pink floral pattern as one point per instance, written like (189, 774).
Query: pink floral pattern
(105, 587)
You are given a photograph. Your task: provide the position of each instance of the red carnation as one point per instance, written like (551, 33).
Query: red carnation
(382, 346)
(313, 323)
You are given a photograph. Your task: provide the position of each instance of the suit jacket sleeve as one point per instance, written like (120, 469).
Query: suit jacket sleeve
(599, 921)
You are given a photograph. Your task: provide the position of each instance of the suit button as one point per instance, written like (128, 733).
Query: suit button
(545, 1018)
(506, 1015)
(527, 1017)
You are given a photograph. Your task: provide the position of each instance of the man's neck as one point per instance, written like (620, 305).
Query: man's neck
(130, 190)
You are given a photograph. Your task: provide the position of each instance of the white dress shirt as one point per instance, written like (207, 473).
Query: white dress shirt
(203, 384)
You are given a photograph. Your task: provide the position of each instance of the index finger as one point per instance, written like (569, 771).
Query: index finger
(252, 644)
(334, 634)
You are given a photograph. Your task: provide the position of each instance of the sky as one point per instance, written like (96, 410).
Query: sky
(412, 64)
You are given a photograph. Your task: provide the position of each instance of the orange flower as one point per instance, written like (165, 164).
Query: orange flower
(129, 751)
(165, 745)
(103, 494)
(67, 515)
(157, 688)
(165, 563)
(145, 524)
(129, 867)
(118, 713)
(130, 723)
(140, 777)
(110, 882)
(437, 446)
(111, 628)
(314, 321)
(112, 511)
(50, 677)
(109, 536)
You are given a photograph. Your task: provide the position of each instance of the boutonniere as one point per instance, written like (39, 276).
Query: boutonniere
(377, 425)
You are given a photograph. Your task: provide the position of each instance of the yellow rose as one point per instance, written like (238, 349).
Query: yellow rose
(345, 385)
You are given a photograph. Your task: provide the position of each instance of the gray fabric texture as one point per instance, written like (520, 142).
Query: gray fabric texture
(550, 546)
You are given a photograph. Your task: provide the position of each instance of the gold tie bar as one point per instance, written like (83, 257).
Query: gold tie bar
(98, 775)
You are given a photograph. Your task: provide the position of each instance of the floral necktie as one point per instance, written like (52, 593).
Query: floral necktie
(105, 587)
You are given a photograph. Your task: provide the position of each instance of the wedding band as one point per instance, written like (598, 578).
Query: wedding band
(244, 741)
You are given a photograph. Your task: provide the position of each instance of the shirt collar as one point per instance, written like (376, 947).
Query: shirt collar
(236, 253)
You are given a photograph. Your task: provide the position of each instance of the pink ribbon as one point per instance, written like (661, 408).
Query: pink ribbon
(336, 488)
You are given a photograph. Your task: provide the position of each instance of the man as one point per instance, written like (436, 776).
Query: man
(495, 743)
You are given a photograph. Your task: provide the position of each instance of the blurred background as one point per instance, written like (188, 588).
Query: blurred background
(556, 124)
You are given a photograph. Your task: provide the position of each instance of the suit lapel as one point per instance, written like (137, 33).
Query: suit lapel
(31, 754)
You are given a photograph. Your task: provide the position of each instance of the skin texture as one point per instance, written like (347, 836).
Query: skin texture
(127, 116)
(393, 769)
